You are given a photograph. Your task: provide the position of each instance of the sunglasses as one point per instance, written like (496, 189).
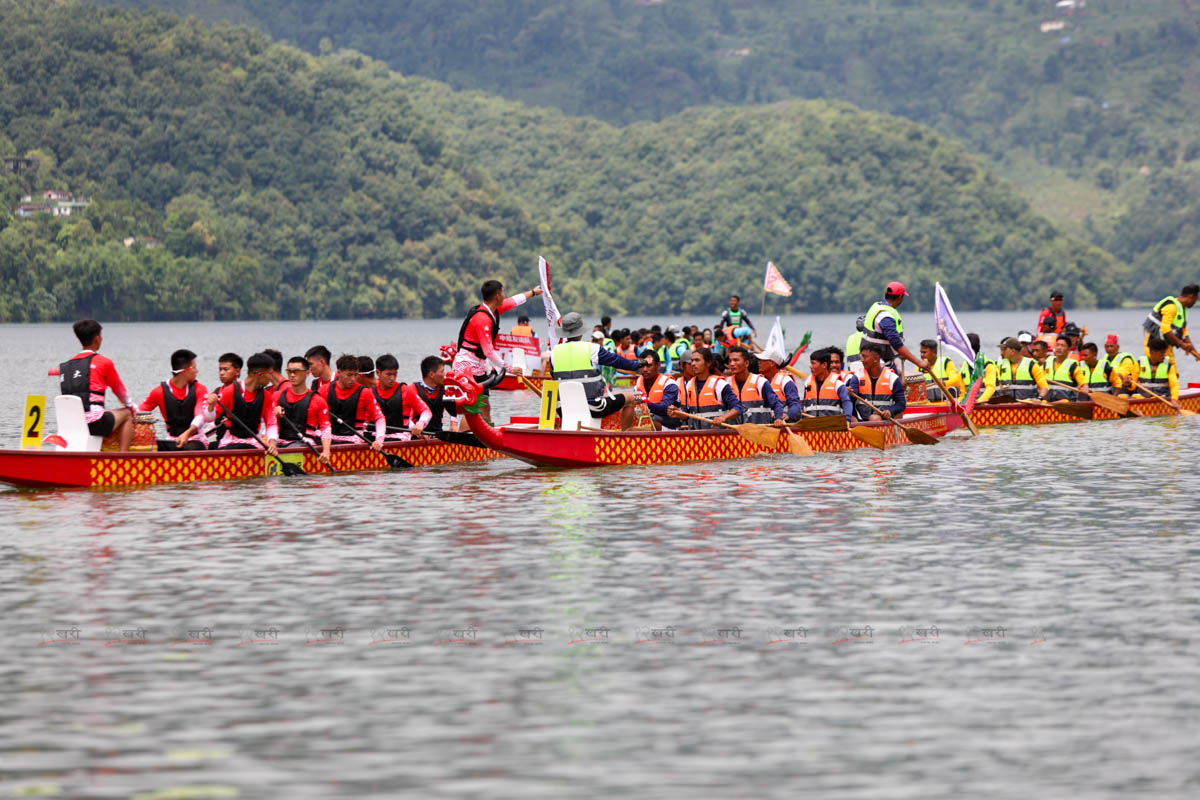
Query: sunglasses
(296, 371)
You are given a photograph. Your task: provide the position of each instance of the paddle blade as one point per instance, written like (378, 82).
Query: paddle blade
(834, 423)
(1080, 410)
(1117, 405)
(291, 469)
(396, 462)
(970, 423)
(762, 435)
(798, 445)
(918, 436)
(873, 437)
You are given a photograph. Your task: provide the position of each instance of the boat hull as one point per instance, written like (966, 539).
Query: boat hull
(46, 469)
(1003, 414)
(512, 383)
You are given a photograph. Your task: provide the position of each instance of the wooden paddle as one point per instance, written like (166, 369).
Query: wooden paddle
(797, 444)
(1183, 412)
(966, 418)
(914, 435)
(1080, 410)
(870, 436)
(761, 435)
(834, 423)
(1117, 405)
(797, 373)
(530, 385)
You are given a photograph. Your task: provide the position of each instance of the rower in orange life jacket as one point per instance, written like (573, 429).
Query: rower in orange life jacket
(763, 406)
(878, 384)
(784, 386)
(708, 395)
(181, 402)
(658, 392)
(826, 393)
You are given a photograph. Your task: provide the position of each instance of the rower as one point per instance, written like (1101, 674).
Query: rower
(577, 360)
(1168, 321)
(366, 371)
(1122, 363)
(884, 328)
(1041, 352)
(942, 367)
(880, 385)
(1053, 319)
(522, 328)
(432, 391)
(656, 391)
(988, 387)
(1097, 373)
(1158, 372)
(782, 383)
(625, 346)
(735, 317)
(708, 394)
(1063, 369)
(306, 411)
(406, 413)
(253, 403)
(476, 352)
(318, 366)
(229, 370)
(354, 404)
(837, 362)
(89, 375)
(1026, 340)
(826, 394)
(763, 406)
(1020, 375)
(181, 403)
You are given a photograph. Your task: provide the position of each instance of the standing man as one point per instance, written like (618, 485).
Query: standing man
(431, 388)
(943, 367)
(352, 405)
(782, 383)
(658, 392)
(763, 406)
(1053, 319)
(884, 328)
(1168, 321)
(707, 394)
(89, 375)
(826, 394)
(735, 317)
(1063, 369)
(477, 337)
(1158, 372)
(406, 413)
(181, 403)
(305, 411)
(878, 384)
(577, 360)
(318, 366)
(522, 328)
(1020, 375)
(252, 403)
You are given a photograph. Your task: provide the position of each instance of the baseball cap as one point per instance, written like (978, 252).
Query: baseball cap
(896, 288)
(1071, 329)
(772, 354)
(1024, 337)
(598, 335)
(1011, 343)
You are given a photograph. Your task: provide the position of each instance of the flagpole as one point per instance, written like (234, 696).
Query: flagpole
(764, 305)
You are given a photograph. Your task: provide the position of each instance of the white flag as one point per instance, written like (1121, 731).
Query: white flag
(553, 318)
(775, 339)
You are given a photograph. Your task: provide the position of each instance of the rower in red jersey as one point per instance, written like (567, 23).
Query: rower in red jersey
(318, 366)
(477, 336)
(252, 402)
(406, 413)
(352, 406)
(302, 412)
(88, 375)
(181, 403)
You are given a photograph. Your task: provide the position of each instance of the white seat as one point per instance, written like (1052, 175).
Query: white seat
(68, 411)
(572, 400)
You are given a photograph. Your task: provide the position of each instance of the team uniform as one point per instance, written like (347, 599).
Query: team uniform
(831, 396)
(477, 339)
(886, 392)
(784, 386)
(88, 375)
(402, 407)
(661, 395)
(1066, 372)
(307, 413)
(255, 410)
(762, 405)
(355, 407)
(435, 400)
(181, 408)
(711, 399)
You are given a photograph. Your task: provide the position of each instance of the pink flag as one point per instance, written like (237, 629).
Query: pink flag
(774, 282)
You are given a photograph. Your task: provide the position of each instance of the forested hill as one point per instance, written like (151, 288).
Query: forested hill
(232, 177)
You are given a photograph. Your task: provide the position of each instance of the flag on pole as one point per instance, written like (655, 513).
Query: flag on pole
(949, 332)
(774, 282)
(775, 339)
(553, 318)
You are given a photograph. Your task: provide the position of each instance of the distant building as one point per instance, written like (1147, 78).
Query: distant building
(741, 52)
(1053, 25)
(17, 166)
(54, 202)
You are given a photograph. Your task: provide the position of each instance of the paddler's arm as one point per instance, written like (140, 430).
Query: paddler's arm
(954, 379)
(1173, 382)
(730, 399)
(774, 403)
(791, 398)
(1079, 381)
(607, 358)
(899, 399)
(989, 384)
(888, 326)
(1039, 377)
(670, 397)
(847, 402)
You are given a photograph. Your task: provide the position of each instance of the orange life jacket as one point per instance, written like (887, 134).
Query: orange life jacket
(751, 396)
(656, 391)
(822, 401)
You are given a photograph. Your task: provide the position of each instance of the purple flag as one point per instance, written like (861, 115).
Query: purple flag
(949, 332)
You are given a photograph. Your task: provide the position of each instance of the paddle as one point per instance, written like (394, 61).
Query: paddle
(914, 435)
(1080, 410)
(870, 436)
(288, 467)
(966, 418)
(300, 438)
(530, 385)
(1117, 405)
(833, 423)
(1180, 410)
(798, 444)
(996, 399)
(797, 373)
(393, 461)
(762, 435)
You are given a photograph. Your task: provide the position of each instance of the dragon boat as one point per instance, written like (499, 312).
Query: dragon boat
(603, 447)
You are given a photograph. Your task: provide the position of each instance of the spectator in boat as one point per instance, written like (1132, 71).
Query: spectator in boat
(1158, 372)
(352, 406)
(826, 394)
(1020, 375)
(879, 384)
(763, 406)
(1062, 368)
(943, 367)
(277, 379)
(522, 328)
(1123, 364)
(303, 414)
(248, 407)
(318, 358)
(1053, 319)
(784, 386)
(366, 371)
(89, 376)
(656, 391)
(406, 413)
(577, 360)
(707, 394)
(181, 403)
(432, 391)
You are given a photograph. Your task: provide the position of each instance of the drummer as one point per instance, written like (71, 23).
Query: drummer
(181, 403)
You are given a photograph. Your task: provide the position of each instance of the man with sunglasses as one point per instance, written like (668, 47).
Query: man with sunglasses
(303, 414)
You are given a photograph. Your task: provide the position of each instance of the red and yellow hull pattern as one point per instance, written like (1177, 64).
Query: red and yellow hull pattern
(512, 383)
(55, 469)
(1003, 414)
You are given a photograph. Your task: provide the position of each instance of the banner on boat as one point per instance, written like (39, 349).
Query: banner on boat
(553, 318)
(520, 351)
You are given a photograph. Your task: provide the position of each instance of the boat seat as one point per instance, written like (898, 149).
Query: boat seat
(68, 412)
(572, 398)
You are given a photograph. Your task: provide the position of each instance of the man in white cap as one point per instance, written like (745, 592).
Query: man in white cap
(769, 363)
(577, 360)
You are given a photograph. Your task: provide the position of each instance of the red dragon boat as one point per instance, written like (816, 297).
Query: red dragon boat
(993, 415)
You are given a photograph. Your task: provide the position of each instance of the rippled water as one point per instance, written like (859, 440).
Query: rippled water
(1058, 565)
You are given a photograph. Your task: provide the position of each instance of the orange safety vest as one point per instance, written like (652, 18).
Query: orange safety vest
(751, 396)
(878, 391)
(655, 394)
(522, 330)
(707, 401)
(822, 401)
(629, 352)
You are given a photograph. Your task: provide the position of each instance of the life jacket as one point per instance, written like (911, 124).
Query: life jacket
(778, 382)
(705, 401)
(345, 410)
(393, 407)
(296, 413)
(735, 317)
(939, 368)
(1153, 322)
(472, 347)
(655, 394)
(751, 395)
(1063, 373)
(878, 390)
(1157, 379)
(177, 413)
(629, 352)
(677, 349)
(853, 348)
(729, 339)
(874, 334)
(572, 361)
(1097, 378)
(436, 400)
(249, 413)
(823, 400)
(521, 330)
(76, 379)
(1020, 382)
(1060, 320)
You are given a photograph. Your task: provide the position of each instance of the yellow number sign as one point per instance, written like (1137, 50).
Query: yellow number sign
(549, 405)
(35, 415)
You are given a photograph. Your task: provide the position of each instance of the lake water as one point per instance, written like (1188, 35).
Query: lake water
(1014, 615)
